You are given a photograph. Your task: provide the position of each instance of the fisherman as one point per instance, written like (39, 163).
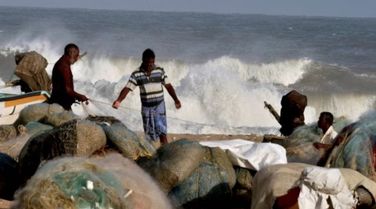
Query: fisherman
(151, 79)
(63, 91)
(325, 123)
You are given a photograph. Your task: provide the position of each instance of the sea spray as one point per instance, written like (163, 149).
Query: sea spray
(222, 73)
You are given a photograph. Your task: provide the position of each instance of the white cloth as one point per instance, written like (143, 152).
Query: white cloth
(318, 184)
(329, 136)
(249, 154)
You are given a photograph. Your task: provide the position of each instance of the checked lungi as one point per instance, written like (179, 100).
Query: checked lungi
(154, 121)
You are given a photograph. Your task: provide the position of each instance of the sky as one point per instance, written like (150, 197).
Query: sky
(341, 8)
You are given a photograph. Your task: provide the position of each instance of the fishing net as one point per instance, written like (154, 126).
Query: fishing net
(13, 147)
(358, 148)
(57, 119)
(276, 181)
(80, 183)
(36, 112)
(210, 184)
(299, 145)
(242, 191)
(34, 127)
(76, 137)
(311, 133)
(174, 162)
(243, 178)
(7, 132)
(123, 139)
(31, 69)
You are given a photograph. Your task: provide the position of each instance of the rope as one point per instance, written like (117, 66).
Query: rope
(85, 109)
(138, 111)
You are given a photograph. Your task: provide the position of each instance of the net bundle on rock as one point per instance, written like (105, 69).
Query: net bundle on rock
(101, 182)
(76, 137)
(285, 180)
(209, 185)
(37, 112)
(194, 176)
(123, 139)
(357, 149)
(299, 145)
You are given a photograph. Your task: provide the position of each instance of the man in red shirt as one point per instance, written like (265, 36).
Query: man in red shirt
(62, 79)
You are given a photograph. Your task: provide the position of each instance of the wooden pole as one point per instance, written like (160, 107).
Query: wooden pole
(272, 111)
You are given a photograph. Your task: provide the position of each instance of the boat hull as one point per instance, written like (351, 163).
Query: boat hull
(11, 105)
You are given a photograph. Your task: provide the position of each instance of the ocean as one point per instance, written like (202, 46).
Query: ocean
(223, 66)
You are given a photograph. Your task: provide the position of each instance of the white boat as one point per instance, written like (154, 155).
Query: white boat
(12, 104)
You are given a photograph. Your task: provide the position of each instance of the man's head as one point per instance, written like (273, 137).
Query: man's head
(325, 120)
(73, 52)
(148, 59)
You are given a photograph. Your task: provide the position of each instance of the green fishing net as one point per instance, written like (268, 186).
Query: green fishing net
(87, 190)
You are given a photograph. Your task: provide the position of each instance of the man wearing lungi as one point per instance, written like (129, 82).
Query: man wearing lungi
(151, 79)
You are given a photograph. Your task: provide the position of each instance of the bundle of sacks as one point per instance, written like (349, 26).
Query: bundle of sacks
(299, 144)
(46, 131)
(352, 148)
(348, 183)
(191, 175)
(111, 181)
(298, 185)
(206, 174)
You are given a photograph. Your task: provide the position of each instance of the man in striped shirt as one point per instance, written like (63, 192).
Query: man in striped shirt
(150, 79)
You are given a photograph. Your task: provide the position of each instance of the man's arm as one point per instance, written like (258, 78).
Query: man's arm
(172, 93)
(124, 92)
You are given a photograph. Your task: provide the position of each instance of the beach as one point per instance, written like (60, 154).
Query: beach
(223, 68)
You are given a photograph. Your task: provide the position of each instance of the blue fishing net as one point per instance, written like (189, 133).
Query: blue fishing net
(311, 133)
(357, 150)
(299, 145)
